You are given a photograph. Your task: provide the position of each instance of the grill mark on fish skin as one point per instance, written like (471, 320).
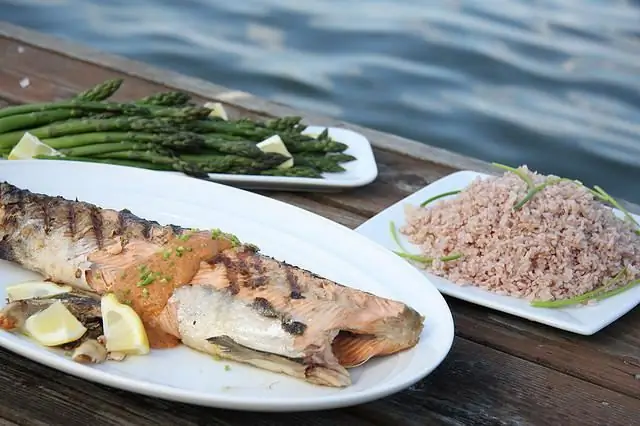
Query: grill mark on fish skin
(295, 328)
(146, 229)
(292, 280)
(231, 273)
(122, 222)
(71, 219)
(296, 295)
(259, 277)
(8, 193)
(264, 307)
(6, 249)
(46, 219)
(250, 269)
(96, 224)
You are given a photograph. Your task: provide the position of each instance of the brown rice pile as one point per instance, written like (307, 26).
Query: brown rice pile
(560, 244)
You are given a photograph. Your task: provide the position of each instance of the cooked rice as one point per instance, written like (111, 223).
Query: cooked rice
(560, 244)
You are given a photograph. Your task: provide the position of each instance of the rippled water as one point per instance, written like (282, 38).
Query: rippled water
(554, 84)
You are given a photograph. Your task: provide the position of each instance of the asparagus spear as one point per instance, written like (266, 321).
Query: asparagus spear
(325, 163)
(235, 163)
(178, 164)
(122, 108)
(302, 144)
(295, 171)
(33, 119)
(182, 141)
(106, 148)
(88, 125)
(242, 129)
(242, 148)
(168, 99)
(321, 163)
(101, 91)
(285, 124)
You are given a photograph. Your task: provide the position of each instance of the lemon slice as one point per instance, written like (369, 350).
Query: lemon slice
(123, 329)
(54, 326)
(217, 110)
(275, 144)
(35, 289)
(30, 146)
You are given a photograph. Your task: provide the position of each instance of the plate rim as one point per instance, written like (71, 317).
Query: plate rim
(491, 300)
(46, 357)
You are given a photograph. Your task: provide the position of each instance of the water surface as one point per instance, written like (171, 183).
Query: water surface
(554, 84)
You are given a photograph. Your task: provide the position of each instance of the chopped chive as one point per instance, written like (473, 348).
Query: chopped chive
(436, 197)
(217, 233)
(527, 179)
(427, 260)
(585, 297)
(533, 191)
(147, 281)
(166, 254)
(394, 235)
(603, 196)
(145, 292)
(227, 367)
(415, 257)
(618, 290)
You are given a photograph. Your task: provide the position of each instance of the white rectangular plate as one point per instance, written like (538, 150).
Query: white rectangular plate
(362, 171)
(584, 320)
(280, 230)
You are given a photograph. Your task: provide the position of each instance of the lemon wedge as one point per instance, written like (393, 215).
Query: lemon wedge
(54, 326)
(29, 146)
(217, 110)
(123, 329)
(35, 289)
(275, 144)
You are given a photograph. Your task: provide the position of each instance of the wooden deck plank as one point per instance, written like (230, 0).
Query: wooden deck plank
(610, 359)
(475, 385)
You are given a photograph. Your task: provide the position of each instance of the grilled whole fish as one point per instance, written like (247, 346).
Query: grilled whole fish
(205, 289)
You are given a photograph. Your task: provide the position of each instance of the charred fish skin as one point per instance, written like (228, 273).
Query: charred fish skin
(55, 236)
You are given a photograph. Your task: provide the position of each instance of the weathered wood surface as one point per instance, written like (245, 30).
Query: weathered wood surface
(501, 370)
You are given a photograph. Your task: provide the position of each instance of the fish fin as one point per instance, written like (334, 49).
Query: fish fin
(225, 347)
